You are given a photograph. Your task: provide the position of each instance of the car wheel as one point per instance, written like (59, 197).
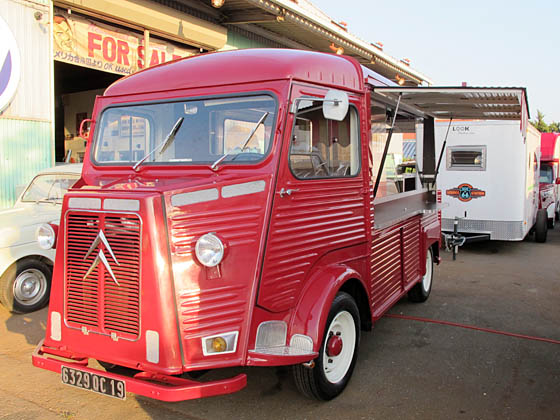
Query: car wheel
(541, 226)
(421, 291)
(338, 353)
(551, 222)
(26, 285)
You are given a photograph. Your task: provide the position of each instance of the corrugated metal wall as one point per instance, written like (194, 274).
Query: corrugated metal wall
(26, 126)
(25, 149)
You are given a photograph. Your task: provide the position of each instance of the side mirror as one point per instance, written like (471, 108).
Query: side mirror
(557, 181)
(335, 105)
(84, 128)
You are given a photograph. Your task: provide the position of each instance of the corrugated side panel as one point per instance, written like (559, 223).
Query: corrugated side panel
(411, 249)
(25, 149)
(386, 268)
(33, 96)
(216, 304)
(318, 218)
(395, 259)
(216, 300)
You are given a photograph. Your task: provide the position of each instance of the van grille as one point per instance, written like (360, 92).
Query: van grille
(97, 301)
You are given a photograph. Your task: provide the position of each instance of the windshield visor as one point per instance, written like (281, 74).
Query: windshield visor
(208, 129)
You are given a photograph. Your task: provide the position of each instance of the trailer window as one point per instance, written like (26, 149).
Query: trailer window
(466, 158)
(322, 148)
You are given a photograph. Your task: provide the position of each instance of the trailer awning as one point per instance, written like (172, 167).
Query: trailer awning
(476, 103)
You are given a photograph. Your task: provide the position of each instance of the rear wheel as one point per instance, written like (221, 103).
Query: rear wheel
(338, 353)
(421, 291)
(25, 286)
(541, 226)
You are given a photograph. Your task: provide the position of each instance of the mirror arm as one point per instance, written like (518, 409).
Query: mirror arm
(81, 130)
(294, 106)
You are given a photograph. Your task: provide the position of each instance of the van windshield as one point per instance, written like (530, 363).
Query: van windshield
(209, 129)
(546, 174)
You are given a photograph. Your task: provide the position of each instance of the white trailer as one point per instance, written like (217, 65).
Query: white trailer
(489, 178)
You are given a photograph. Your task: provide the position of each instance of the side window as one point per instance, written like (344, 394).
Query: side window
(322, 148)
(466, 158)
(400, 173)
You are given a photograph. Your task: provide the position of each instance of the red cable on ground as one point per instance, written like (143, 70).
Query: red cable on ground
(470, 327)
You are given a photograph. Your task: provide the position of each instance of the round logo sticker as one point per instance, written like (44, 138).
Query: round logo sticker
(9, 65)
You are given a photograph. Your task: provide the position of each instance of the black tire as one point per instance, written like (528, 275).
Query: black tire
(541, 226)
(26, 286)
(551, 222)
(119, 370)
(319, 382)
(421, 291)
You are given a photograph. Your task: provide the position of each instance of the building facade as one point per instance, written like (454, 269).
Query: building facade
(56, 56)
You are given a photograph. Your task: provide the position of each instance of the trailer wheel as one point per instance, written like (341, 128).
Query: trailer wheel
(541, 226)
(338, 353)
(25, 286)
(421, 291)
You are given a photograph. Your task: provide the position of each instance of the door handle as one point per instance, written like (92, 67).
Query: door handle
(284, 191)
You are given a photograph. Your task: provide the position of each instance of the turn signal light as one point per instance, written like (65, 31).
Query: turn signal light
(219, 344)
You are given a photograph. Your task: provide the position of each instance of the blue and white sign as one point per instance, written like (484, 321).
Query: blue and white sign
(9, 65)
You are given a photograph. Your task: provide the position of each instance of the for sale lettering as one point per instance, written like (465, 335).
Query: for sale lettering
(465, 192)
(88, 43)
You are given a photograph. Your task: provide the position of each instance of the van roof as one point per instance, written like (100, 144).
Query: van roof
(548, 144)
(245, 66)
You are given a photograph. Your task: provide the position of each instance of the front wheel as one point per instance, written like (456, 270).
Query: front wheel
(421, 291)
(25, 286)
(338, 353)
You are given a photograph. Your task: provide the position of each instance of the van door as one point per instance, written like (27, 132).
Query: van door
(319, 202)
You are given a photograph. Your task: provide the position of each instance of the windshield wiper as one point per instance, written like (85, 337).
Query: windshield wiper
(164, 145)
(244, 143)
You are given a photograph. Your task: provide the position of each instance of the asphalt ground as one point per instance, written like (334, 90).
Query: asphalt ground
(406, 369)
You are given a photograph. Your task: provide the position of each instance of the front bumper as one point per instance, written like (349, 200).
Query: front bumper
(157, 386)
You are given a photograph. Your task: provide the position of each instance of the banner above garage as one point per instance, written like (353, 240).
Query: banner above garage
(89, 43)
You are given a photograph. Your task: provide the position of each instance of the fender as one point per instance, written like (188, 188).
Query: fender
(9, 256)
(313, 308)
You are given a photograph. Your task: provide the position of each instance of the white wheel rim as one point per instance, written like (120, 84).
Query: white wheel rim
(335, 367)
(427, 279)
(30, 286)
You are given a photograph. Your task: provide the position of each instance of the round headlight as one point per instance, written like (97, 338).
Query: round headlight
(45, 236)
(209, 250)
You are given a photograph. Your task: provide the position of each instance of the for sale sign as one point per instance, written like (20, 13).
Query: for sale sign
(88, 43)
(9, 65)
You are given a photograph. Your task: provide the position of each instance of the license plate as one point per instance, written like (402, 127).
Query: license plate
(93, 382)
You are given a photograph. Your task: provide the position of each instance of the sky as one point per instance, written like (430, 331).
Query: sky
(506, 43)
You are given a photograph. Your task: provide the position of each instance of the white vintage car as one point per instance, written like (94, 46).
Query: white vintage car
(27, 239)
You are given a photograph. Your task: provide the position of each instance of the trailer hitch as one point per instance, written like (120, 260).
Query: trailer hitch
(454, 240)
